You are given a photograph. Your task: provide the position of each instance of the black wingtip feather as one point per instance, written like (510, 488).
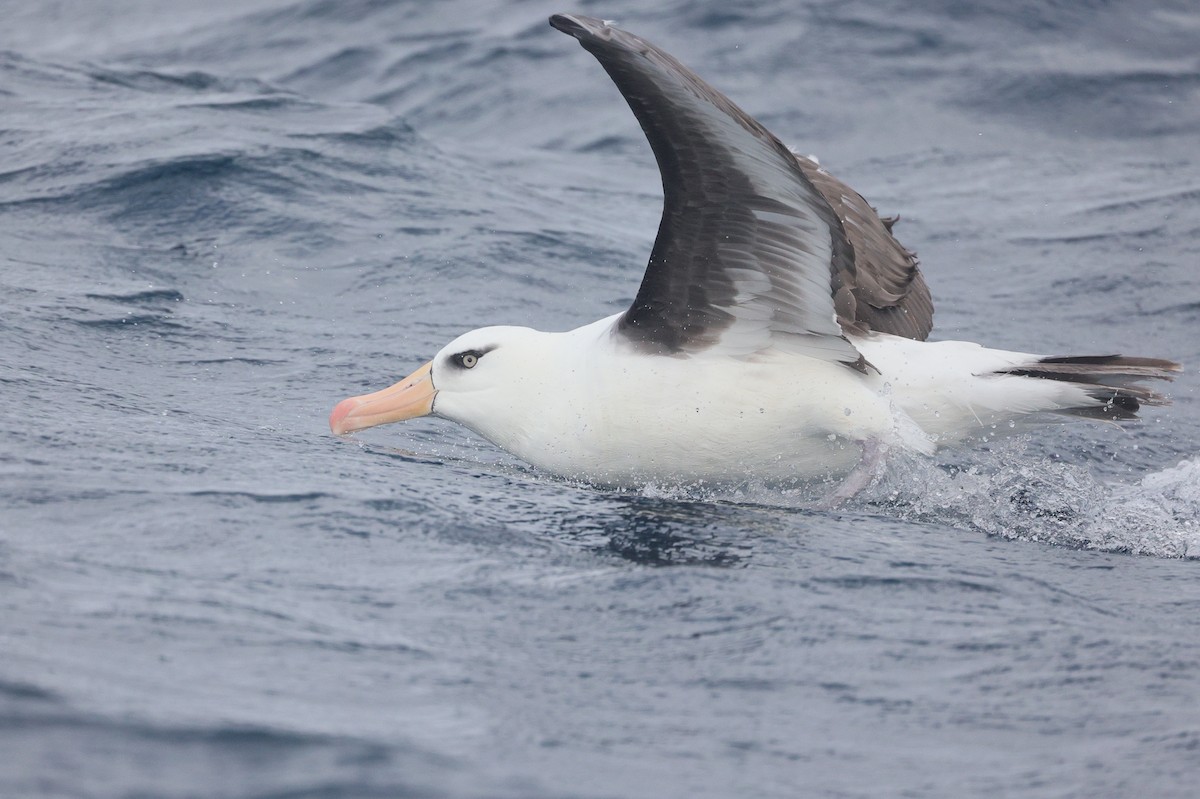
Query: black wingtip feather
(568, 24)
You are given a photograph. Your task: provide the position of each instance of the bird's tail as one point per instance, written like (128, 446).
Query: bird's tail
(1110, 386)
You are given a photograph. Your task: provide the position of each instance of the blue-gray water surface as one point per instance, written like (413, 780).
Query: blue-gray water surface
(218, 219)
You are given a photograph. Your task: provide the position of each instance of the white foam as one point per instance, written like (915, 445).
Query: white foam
(1015, 497)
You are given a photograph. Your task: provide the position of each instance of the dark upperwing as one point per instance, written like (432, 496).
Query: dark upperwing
(757, 247)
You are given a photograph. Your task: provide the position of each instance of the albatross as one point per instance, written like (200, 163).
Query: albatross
(779, 333)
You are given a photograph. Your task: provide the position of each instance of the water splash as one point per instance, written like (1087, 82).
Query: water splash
(1008, 491)
(1012, 496)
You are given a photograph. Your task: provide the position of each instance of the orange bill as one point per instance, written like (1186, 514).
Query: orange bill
(408, 399)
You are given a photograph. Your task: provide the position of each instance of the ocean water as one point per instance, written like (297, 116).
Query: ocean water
(219, 219)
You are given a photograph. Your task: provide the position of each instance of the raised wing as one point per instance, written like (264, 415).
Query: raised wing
(750, 251)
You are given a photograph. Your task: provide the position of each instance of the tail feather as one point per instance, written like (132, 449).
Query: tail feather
(1112, 382)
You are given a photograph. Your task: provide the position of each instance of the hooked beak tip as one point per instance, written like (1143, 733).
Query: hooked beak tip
(337, 419)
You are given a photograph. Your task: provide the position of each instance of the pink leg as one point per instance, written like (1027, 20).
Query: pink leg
(869, 469)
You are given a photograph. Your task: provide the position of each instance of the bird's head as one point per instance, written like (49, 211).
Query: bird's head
(486, 374)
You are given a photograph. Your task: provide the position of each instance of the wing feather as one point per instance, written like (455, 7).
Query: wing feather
(751, 252)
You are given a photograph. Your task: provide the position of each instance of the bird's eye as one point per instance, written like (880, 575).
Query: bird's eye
(466, 360)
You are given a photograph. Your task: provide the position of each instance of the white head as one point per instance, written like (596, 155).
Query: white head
(489, 380)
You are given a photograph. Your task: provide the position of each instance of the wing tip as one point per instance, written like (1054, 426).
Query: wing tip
(579, 26)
